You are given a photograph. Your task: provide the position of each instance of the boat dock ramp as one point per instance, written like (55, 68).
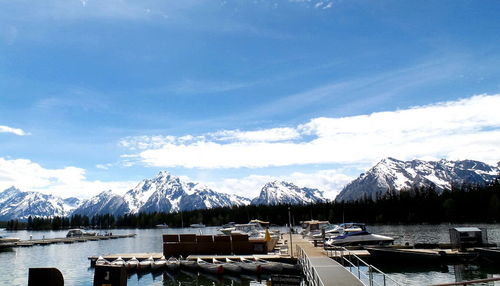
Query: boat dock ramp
(318, 268)
(47, 241)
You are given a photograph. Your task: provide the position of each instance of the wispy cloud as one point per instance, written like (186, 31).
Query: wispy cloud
(69, 181)
(467, 128)
(204, 86)
(224, 136)
(16, 131)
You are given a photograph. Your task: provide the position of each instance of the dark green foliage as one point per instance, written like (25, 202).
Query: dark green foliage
(461, 204)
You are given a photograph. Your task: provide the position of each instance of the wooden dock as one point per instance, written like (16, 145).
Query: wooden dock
(318, 267)
(47, 241)
(158, 255)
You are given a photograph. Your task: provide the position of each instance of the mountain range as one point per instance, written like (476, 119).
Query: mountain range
(393, 174)
(163, 193)
(15, 203)
(168, 193)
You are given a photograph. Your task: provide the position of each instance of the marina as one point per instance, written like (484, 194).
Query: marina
(74, 260)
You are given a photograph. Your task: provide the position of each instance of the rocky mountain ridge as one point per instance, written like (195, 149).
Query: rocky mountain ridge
(393, 174)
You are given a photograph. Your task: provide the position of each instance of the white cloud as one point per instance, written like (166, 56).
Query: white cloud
(69, 181)
(328, 181)
(462, 129)
(17, 131)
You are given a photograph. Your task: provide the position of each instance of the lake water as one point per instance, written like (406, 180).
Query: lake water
(72, 259)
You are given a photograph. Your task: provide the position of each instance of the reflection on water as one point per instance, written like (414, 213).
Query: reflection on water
(72, 260)
(427, 275)
(194, 278)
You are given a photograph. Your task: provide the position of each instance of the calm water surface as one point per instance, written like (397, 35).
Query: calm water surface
(72, 260)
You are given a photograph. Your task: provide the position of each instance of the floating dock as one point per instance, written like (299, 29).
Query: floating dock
(47, 241)
(317, 265)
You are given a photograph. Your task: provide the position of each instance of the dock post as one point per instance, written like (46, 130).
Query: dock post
(108, 275)
(45, 277)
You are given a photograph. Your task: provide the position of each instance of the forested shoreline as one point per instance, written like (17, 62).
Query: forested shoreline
(462, 204)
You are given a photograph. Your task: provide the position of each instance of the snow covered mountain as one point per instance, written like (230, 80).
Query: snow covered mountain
(279, 192)
(167, 193)
(393, 174)
(104, 203)
(16, 204)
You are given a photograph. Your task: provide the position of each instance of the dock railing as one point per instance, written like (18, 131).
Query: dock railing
(367, 273)
(312, 277)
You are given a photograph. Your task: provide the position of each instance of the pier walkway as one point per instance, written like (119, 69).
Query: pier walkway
(318, 267)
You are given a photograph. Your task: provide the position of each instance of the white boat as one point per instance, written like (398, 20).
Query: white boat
(197, 225)
(313, 227)
(101, 261)
(79, 233)
(210, 267)
(119, 262)
(163, 225)
(159, 264)
(253, 229)
(132, 263)
(173, 264)
(336, 230)
(356, 234)
(249, 266)
(8, 239)
(145, 264)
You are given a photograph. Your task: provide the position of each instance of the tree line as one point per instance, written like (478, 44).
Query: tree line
(466, 203)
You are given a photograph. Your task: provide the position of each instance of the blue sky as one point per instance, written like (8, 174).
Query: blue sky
(101, 94)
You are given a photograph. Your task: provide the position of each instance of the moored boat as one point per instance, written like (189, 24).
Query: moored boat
(163, 225)
(79, 233)
(132, 263)
(119, 262)
(229, 265)
(210, 267)
(356, 234)
(313, 227)
(197, 225)
(145, 264)
(159, 264)
(188, 264)
(8, 239)
(269, 266)
(173, 264)
(249, 266)
(101, 261)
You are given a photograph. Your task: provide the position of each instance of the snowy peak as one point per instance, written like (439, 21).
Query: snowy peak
(280, 192)
(393, 174)
(168, 193)
(159, 193)
(16, 204)
(104, 203)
